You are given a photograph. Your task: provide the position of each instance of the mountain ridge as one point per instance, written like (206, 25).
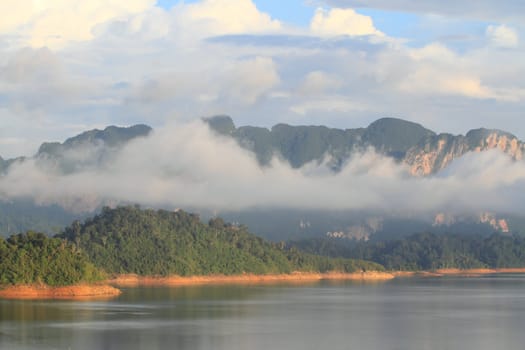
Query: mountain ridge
(423, 150)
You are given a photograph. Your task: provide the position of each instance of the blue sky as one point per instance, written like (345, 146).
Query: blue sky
(291, 11)
(300, 13)
(412, 26)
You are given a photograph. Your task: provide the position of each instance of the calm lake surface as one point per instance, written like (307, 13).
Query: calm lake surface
(417, 313)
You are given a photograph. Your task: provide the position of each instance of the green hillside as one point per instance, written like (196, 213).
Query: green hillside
(35, 258)
(302, 144)
(427, 251)
(150, 242)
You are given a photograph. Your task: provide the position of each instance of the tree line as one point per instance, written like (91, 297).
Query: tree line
(36, 258)
(153, 242)
(427, 251)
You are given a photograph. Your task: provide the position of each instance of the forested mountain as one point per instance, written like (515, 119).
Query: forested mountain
(426, 251)
(423, 150)
(160, 242)
(89, 150)
(112, 136)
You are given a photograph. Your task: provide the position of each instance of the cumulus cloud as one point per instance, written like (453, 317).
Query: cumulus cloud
(218, 17)
(318, 82)
(502, 36)
(437, 69)
(335, 103)
(188, 166)
(250, 79)
(338, 21)
(240, 82)
(31, 65)
(55, 23)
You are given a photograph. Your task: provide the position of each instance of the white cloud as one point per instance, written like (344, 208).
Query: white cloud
(338, 104)
(318, 82)
(188, 166)
(250, 79)
(218, 17)
(427, 80)
(435, 69)
(502, 36)
(338, 21)
(55, 23)
(232, 82)
(19, 12)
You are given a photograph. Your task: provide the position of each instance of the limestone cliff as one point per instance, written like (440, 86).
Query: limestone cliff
(436, 152)
(423, 150)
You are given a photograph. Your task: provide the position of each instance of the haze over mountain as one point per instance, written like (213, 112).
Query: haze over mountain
(297, 169)
(423, 150)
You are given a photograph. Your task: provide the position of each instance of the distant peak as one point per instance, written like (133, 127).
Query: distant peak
(221, 124)
(111, 136)
(388, 122)
(395, 135)
(483, 133)
(137, 127)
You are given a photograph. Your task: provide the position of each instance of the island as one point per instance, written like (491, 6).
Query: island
(129, 246)
(157, 247)
(33, 265)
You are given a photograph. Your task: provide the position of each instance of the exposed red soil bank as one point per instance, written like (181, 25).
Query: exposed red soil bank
(83, 291)
(458, 272)
(131, 280)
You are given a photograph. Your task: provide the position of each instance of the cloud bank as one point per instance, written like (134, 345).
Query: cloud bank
(188, 166)
(481, 9)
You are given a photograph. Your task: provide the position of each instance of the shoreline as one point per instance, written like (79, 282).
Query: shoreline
(109, 288)
(133, 280)
(459, 272)
(73, 292)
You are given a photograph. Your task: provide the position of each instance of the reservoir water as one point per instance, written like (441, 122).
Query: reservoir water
(479, 313)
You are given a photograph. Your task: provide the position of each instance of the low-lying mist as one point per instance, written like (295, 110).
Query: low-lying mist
(188, 166)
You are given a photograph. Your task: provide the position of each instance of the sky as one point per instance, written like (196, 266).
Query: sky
(67, 66)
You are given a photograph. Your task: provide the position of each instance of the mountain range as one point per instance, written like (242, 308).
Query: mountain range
(423, 151)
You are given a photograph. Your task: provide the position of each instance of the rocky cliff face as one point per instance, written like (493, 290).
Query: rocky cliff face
(498, 224)
(434, 153)
(423, 150)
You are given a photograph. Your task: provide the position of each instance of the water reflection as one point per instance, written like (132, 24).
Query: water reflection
(446, 313)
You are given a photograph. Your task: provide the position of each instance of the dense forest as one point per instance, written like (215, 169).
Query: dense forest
(427, 251)
(35, 258)
(160, 242)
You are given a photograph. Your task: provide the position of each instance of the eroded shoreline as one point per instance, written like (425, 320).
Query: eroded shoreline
(74, 292)
(109, 289)
(130, 280)
(460, 272)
